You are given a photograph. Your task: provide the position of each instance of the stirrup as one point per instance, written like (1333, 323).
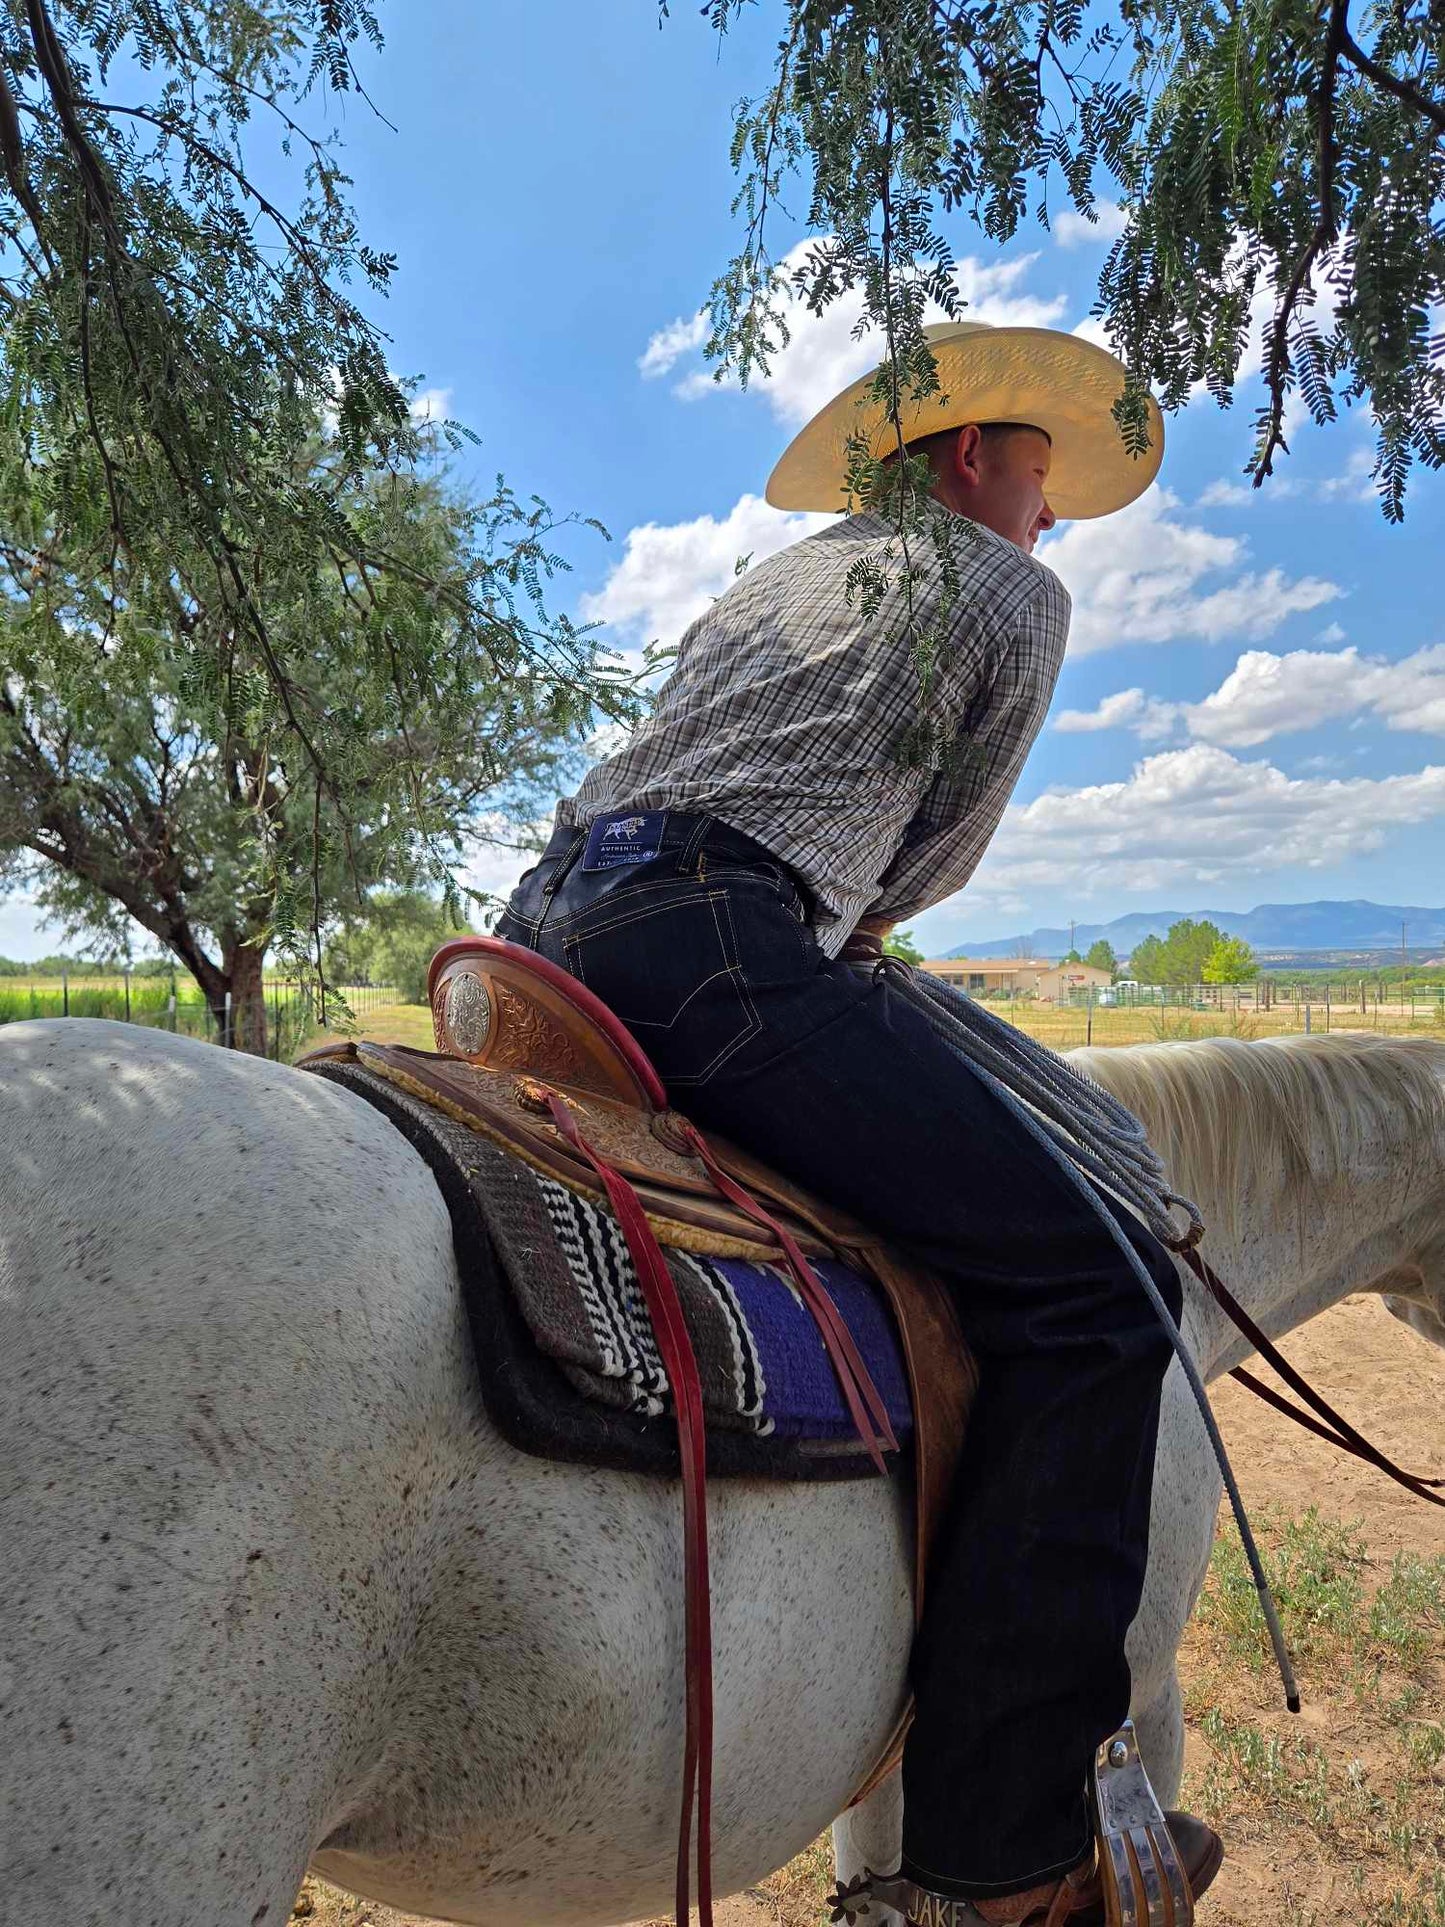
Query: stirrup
(1143, 1883)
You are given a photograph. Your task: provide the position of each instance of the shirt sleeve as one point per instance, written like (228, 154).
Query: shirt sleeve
(959, 812)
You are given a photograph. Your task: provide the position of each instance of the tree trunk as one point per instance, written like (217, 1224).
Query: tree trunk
(241, 975)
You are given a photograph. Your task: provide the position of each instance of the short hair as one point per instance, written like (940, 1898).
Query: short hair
(935, 446)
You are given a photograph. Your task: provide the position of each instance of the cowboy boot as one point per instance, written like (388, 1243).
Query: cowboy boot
(1083, 1897)
(1078, 1899)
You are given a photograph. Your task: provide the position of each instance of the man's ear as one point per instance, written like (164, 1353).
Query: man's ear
(967, 450)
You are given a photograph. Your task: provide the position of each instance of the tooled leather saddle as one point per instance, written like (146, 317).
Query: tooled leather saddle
(533, 1060)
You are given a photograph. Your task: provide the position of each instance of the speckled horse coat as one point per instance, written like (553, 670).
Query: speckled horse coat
(275, 1594)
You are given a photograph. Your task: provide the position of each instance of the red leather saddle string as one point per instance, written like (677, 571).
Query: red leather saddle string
(864, 1402)
(1337, 1430)
(680, 1363)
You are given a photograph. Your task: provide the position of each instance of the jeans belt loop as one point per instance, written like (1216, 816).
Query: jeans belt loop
(575, 849)
(697, 835)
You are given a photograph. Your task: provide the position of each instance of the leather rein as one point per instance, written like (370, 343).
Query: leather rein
(1329, 1424)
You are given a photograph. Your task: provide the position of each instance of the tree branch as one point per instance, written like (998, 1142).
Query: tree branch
(1325, 232)
(1430, 110)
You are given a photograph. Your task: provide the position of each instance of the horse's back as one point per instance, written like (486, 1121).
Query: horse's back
(230, 1341)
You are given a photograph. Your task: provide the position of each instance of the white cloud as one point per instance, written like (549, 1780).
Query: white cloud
(1072, 230)
(1126, 706)
(670, 344)
(1128, 709)
(1224, 494)
(669, 575)
(1351, 484)
(1187, 816)
(1266, 695)
(822, 355)
(431, 405)
(1136, 577)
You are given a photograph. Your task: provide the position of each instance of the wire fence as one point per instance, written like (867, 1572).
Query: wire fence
(1127, 1013)
(176, 1005)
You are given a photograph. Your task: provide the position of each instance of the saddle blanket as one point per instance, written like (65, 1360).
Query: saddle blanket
(565, 1351)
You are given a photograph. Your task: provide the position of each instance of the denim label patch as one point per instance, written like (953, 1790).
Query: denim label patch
(633, 837)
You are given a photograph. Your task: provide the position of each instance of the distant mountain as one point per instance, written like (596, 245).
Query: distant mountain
(1288, 928)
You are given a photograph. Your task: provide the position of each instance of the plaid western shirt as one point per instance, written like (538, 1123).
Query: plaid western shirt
(785, 706)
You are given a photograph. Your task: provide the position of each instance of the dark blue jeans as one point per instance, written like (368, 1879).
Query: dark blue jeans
(706, 953)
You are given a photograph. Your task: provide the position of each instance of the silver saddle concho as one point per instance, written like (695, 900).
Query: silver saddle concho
(1141, 1882)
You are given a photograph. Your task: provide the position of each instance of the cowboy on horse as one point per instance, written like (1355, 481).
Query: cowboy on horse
(718, 880)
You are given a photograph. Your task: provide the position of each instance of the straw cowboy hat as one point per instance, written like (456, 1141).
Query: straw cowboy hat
(1060, 383)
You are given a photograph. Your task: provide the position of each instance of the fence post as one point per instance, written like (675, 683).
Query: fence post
(171, 1011)
(1089, 1020)
(126, 974)
(1327, 1006)
(226, 1029)
(65, 993)
(1307, 1020)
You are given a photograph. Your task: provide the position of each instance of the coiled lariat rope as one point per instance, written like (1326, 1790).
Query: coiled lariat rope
(1090, 1135)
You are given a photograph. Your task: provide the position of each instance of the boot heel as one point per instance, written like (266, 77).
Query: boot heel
(1143, 1883)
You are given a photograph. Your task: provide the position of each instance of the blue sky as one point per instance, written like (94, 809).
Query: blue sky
(1253, 707)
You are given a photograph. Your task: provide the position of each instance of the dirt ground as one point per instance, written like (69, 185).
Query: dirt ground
(1338, 1814)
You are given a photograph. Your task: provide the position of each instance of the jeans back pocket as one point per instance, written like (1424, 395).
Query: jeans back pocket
(664, 957)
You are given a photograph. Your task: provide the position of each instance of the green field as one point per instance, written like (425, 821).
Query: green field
(178, 1006)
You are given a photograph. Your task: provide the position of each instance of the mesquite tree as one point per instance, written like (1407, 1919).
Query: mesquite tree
(132, 786)
(1283, 154)
(171, 335)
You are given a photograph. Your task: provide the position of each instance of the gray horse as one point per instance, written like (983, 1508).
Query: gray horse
(276, 1595)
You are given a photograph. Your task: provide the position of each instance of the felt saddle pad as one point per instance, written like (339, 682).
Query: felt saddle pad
(565, 1352)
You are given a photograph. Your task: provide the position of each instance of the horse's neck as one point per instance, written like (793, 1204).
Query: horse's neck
(1285, 1271)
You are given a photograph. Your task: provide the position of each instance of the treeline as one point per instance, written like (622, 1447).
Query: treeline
(1193, 953)
(60, 966)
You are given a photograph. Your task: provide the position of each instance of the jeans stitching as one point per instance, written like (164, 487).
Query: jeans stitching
(751, 1023)
(735, 969)
(637, 889)
(624, 917)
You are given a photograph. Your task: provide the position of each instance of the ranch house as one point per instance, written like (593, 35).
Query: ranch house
(1019, 977)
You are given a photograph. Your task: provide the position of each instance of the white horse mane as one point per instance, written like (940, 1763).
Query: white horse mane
(1287, 1115)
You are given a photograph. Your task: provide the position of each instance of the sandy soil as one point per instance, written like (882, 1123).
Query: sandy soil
(1391, 1384)
(1280, 1867)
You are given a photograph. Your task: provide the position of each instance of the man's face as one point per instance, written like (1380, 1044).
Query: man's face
(1002, 478)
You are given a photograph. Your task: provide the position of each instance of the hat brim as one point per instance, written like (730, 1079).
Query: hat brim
(1057, 382)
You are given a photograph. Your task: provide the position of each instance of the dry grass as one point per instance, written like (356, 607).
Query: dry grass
(1067, 1026)
(1062, 1028)
(1348, 1803)
(392, 1024)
